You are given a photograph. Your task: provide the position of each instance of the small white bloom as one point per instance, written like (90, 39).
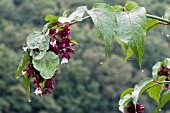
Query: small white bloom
(23, 72)
(64, 61)
(38, 91)
(53, 43)
(25, 48)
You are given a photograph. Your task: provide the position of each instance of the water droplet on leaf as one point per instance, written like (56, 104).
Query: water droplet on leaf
(142, 71)
(167, 35)
(160, 110)
(162, 33)
(101, 63)
(29, 100)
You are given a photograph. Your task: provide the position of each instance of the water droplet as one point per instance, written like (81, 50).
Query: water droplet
(101, 63)
(29, 100)
(142, 71)
(162, 33)
(167, 35)
(160, 110)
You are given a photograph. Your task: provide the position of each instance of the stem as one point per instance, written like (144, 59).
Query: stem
(158, 18)
(74, 22)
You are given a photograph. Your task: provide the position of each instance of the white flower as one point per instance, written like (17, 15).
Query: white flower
(38, 91)
(25, 48)
(64, 61)
(53, 43)
(23, 72)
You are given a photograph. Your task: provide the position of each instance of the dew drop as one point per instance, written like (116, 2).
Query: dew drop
(162, 33)
(167, 35)
(160, 110)
(142, 71)
(101, 63)
(29, 100)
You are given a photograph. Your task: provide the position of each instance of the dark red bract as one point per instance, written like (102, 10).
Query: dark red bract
(131, 108)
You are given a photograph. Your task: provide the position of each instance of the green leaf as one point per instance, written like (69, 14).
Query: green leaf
(125, 92)
(163, 100)
(53, 20)
(123, 102)
(27, 84)
(140, 88)
(117, 8)
(78, 14)
(65, 13)
(104, 19)
(152, 24)
(155, 91)
(131, 5)
(74, 42)
(167, 14)
(155, 69)
(131, 29)
(23, 62)
(129, 53)
(47, 65)
(40, 41)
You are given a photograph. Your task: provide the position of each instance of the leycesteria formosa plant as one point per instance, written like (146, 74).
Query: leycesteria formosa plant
(46, 50)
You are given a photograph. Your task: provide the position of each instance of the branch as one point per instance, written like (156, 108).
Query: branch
(158, 18)
(74, 22)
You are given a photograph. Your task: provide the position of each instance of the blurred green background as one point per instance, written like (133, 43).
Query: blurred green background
(85, 85)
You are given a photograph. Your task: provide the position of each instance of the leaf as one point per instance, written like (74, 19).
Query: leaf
(65, 13)
(117, 8)
(131, 5)
(167, 13)
(129, 53)
(40, 41)
(47, 65)
(167, 60)
(140, 88)
(27, 84)
(155, 91)
(53, 20)
(155, 69)
(104, 18)
(131, 29)
(163, 100)
(152, 24)
(125, 92)
(78, 14)
(23, 62)
(123, 102)
(74, 42)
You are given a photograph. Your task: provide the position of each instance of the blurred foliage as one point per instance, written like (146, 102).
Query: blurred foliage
(88, 84)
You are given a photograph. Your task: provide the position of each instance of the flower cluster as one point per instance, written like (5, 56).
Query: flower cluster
(131, 108)
(165, 71)
(60, 44)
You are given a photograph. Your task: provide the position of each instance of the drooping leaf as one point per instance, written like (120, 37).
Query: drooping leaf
(129, 53)
(140, 88)
(131, 5)
(39, 41)
(23, 62)
(26, 81)
(167, 13)
(155, 91)
(123, 102)
(152, 24)
(104, 19)
(47, 65)
(155, 70)
(125, 92)
(78, 14)
(131, 29)
(163, 100)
